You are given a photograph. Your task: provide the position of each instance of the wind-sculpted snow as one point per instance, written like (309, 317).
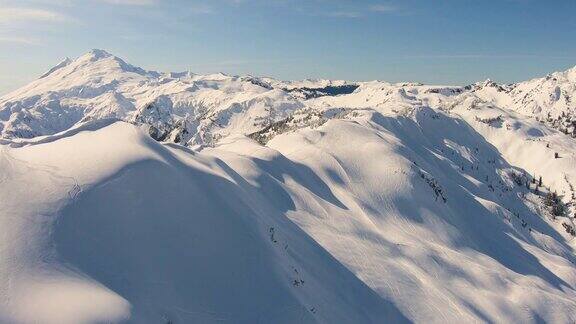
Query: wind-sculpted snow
(452, 249)
(107, 224)
(126, 228)
(134, 196)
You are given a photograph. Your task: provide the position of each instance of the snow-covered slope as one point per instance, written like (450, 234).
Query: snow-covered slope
(423, 227)
(109, 225)
(551, 99)
(136, 196)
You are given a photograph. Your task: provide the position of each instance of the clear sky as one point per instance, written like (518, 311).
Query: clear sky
(430, 41)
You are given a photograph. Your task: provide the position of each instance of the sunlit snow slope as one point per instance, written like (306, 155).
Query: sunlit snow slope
(127, 228)
(140, 197)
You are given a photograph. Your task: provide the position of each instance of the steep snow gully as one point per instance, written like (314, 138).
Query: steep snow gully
(132, 196)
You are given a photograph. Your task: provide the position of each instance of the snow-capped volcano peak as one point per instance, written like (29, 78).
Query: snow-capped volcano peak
(94, 63)
(100, 85)
(95, 55)
(103, 59)
(98, 53)
(91, 56)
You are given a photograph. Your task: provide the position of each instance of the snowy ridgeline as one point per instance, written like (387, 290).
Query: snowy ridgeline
(199, 110)
(180, 198)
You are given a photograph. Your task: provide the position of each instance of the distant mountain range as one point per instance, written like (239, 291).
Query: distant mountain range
(198, 110)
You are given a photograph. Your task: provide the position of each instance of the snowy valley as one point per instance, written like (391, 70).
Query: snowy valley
(136, 196)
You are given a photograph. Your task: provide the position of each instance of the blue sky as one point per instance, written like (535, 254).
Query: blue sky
(430, 41)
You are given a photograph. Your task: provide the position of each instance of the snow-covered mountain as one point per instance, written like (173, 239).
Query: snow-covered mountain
(549, 99)
(135, 196)
(181, 107)
(199, 110)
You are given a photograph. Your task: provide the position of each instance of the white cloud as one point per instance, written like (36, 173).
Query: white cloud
(485, 56)
(359, 11)
(383, 8)
(200, 9)
(9, 15)
(132, 2)
(344, 14)
(18, 40)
